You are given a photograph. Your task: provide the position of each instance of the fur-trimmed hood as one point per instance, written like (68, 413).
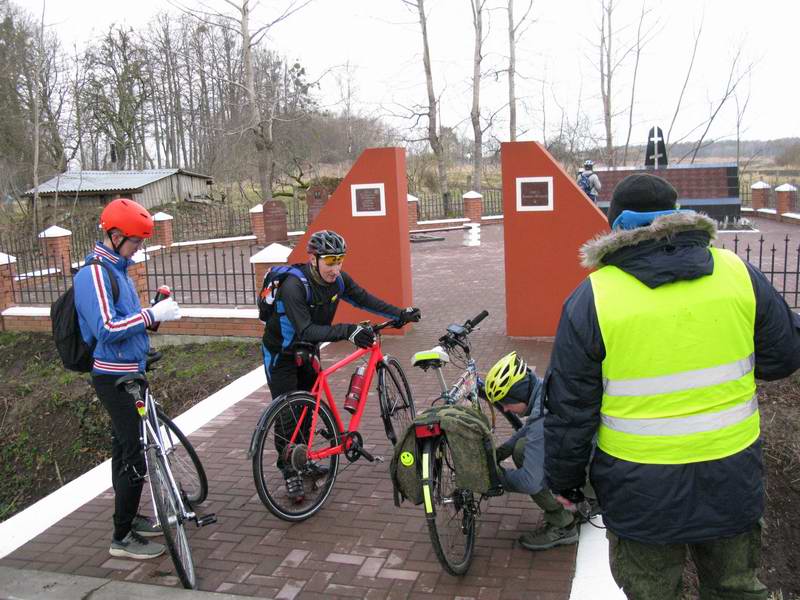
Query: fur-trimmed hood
(671, 248)
(595, 250)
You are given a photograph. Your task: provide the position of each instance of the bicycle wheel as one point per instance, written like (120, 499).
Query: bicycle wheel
(170, 518)
(450, 512)
(184, 463)
(394, 393)
(278, 461)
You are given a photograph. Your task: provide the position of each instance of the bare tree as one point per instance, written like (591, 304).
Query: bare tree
(432, 112)
(642, 37)
(612, 54)
(735, 76)
(514, 33)
(477, 7)
(741, 108)
(260, 122)
(685, 84)
(38, 61)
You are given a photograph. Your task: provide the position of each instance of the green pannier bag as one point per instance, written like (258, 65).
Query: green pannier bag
(469, 436)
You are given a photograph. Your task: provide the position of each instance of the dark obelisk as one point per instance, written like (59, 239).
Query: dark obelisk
(656, 154)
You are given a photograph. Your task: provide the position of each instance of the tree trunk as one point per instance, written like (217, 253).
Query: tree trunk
(475, 113)
(606, 74)
(262, 132)
(433, 128)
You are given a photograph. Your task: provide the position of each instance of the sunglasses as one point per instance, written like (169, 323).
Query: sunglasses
(332, 259)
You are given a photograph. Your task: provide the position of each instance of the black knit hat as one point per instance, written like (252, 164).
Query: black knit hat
(641, 193)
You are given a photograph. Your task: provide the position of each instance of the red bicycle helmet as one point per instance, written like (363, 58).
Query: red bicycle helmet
(130, 217)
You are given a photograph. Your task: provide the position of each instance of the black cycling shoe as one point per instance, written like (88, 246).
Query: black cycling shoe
(294, 487)
(315, 471)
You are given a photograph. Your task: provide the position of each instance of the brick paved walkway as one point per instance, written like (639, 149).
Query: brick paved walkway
(359, 545)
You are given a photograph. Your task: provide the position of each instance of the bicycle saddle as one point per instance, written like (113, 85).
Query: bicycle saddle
(435, 357)
(121, 381)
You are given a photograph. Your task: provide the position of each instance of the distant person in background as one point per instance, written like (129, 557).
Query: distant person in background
(589, 182)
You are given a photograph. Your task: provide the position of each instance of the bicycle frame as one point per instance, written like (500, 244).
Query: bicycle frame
(465, 387)
(321, 387)
(150, 430)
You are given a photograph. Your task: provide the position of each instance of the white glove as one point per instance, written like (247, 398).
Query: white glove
(166, 310)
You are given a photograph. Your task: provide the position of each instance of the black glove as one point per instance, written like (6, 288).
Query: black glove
(410, 315)
(481, 385)
(574, 495)
(361, 335)
(503, 452)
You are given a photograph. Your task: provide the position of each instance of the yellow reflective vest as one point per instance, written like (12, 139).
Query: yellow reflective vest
(678, 383)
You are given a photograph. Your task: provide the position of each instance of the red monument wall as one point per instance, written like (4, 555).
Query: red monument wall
(547, 219)
(711, 189)
(370, 210)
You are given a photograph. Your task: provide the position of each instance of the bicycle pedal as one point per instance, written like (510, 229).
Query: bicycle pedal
(206, 520)
(378, 459)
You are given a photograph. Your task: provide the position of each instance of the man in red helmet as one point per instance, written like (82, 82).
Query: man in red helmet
(119, 328)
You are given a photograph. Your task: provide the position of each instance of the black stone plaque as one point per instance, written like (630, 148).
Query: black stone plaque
(534, 193)
(368, 199)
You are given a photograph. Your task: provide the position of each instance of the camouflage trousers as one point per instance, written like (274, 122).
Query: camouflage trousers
(727, 568)
(554, 512)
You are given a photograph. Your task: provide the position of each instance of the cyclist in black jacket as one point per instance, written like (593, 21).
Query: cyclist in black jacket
(295, 329)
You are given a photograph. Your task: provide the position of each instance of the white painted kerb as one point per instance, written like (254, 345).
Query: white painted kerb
(24, 526)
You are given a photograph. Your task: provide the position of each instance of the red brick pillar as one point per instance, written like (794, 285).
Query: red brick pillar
(759, 195)
(413, 211)
(473, 206)
(257, 224)
(316, 197)
(275, 222)
(162, 230)
(274, 254)
(8, 270)
(56, 247)
(786, 198)
(138, 273)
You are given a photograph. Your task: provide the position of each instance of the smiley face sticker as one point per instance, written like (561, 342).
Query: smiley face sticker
(407, 459)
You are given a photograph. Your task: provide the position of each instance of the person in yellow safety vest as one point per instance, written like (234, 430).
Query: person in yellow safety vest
(657, 352)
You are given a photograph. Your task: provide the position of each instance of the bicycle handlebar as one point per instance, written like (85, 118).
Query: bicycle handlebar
(393, 323)
(473, 322)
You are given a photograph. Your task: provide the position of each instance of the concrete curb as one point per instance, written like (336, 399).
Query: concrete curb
(25, 584)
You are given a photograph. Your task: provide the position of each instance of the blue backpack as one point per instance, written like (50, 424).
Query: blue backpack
(585, 184)
(272, 282)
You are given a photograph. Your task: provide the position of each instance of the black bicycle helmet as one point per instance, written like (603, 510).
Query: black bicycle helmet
(326, 242)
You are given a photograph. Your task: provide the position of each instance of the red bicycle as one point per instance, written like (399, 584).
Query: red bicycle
(298, 440)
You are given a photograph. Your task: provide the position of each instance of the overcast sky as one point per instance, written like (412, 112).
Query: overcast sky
(381, 41)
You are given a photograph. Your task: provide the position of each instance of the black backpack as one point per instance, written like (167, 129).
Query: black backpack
(76, 355)
(272, 281)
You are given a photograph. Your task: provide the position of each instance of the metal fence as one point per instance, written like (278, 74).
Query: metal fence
(201, 276)
(211, 222)
(779, 262)
(40, 279)
(773, 178)
(432, 205)
(24, 246)
(204, 276)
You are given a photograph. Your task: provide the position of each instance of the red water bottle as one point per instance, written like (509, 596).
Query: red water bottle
(161, 294)
(354, 391)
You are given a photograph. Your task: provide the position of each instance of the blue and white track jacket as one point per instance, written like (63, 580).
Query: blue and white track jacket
(117, 327)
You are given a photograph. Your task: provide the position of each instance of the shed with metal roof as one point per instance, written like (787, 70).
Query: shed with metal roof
(149, 188)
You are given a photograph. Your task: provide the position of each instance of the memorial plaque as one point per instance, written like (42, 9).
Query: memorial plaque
(534, 193)
(368, 199)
